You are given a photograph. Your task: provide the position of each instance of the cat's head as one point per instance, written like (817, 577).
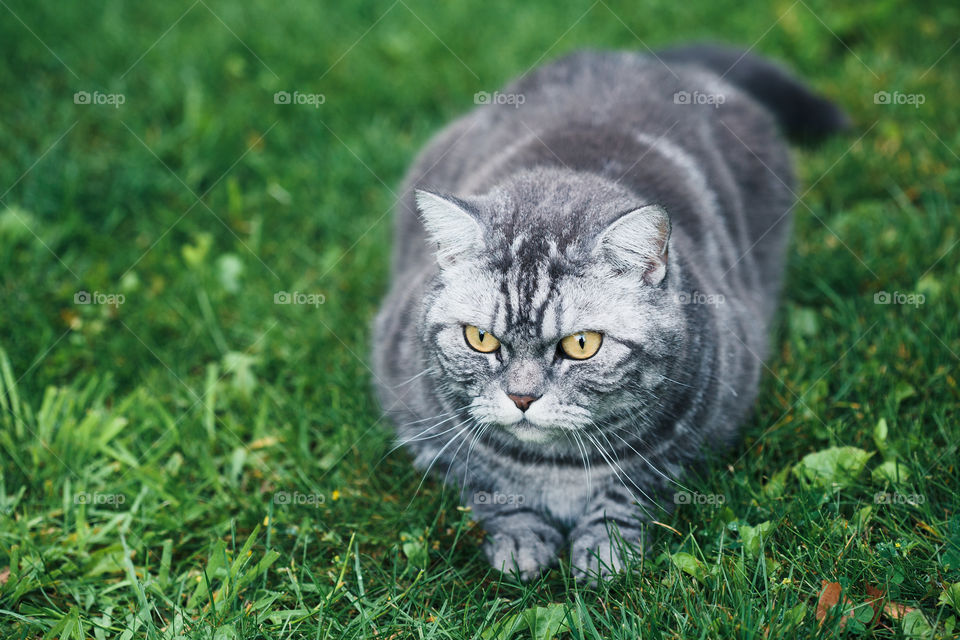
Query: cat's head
(552, 308)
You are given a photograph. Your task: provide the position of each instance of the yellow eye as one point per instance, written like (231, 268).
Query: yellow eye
(480, 340)
(581, 346)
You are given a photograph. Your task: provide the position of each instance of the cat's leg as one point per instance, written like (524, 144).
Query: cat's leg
(608, 532)
(518, 539)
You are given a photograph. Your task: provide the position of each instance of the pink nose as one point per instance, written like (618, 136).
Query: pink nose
(523, 402)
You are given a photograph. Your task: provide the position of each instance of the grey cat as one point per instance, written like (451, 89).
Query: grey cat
(583, 280)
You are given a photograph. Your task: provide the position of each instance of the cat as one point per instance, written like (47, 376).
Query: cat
(584, 274)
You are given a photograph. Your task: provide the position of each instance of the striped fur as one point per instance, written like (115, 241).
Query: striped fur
(559, 216)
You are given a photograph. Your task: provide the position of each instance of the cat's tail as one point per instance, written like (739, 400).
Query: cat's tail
(804, 116)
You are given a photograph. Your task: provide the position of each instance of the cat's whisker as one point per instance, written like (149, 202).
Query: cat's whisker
(476, 438)
(650, 464)
(409, 380)
(614, 468)
(586, 462)
(420, 436)
(635, 419)
(451, 416)
(455, 453)
(573, 437)
(437, 456)
(400, 444)
(440, 415)
(617, 470)
(677, 382)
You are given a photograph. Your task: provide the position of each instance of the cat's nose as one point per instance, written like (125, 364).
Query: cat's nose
(523, 402)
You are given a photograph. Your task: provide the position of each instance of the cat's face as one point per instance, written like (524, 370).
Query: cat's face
(541, 331)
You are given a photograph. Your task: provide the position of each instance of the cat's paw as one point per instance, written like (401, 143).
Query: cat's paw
(594, 555)
(524, 545)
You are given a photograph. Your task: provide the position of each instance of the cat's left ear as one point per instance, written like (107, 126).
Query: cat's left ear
(637, 241)
(455, 232)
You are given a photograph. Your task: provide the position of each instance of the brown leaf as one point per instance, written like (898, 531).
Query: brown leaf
(876, 602)
(4, 575)
(923, 525)
(829, 597)
(896, 610)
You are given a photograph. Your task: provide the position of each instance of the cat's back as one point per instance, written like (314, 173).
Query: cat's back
(655, 126)
(601, 96)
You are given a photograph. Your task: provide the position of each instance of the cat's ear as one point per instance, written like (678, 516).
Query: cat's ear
(637, 242)
(455, 232)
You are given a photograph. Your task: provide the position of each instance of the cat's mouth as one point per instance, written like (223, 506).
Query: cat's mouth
(526, 431)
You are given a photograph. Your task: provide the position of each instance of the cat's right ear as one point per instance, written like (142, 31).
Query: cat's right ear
(455, 232)
(637, 242)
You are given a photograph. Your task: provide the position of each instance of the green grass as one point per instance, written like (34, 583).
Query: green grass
(142, 446)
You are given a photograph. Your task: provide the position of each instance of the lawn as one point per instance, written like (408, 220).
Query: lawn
(184, 456)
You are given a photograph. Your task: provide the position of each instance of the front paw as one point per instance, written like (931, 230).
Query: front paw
(521, 543)
(597, 553)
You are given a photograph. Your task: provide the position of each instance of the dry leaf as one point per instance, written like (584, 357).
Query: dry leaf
(4, 575)
(829, 597)
(260, 443)
(896, 611)
(876, 602)
(923, 525)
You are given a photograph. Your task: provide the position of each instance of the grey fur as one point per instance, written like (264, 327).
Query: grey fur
(557, 216)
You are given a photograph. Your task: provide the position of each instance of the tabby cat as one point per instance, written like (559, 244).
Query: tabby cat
(583, 279)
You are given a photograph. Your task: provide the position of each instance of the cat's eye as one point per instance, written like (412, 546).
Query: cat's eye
(480, 340)
(582, 345)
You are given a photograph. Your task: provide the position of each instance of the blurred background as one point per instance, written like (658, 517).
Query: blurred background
(194, 235)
